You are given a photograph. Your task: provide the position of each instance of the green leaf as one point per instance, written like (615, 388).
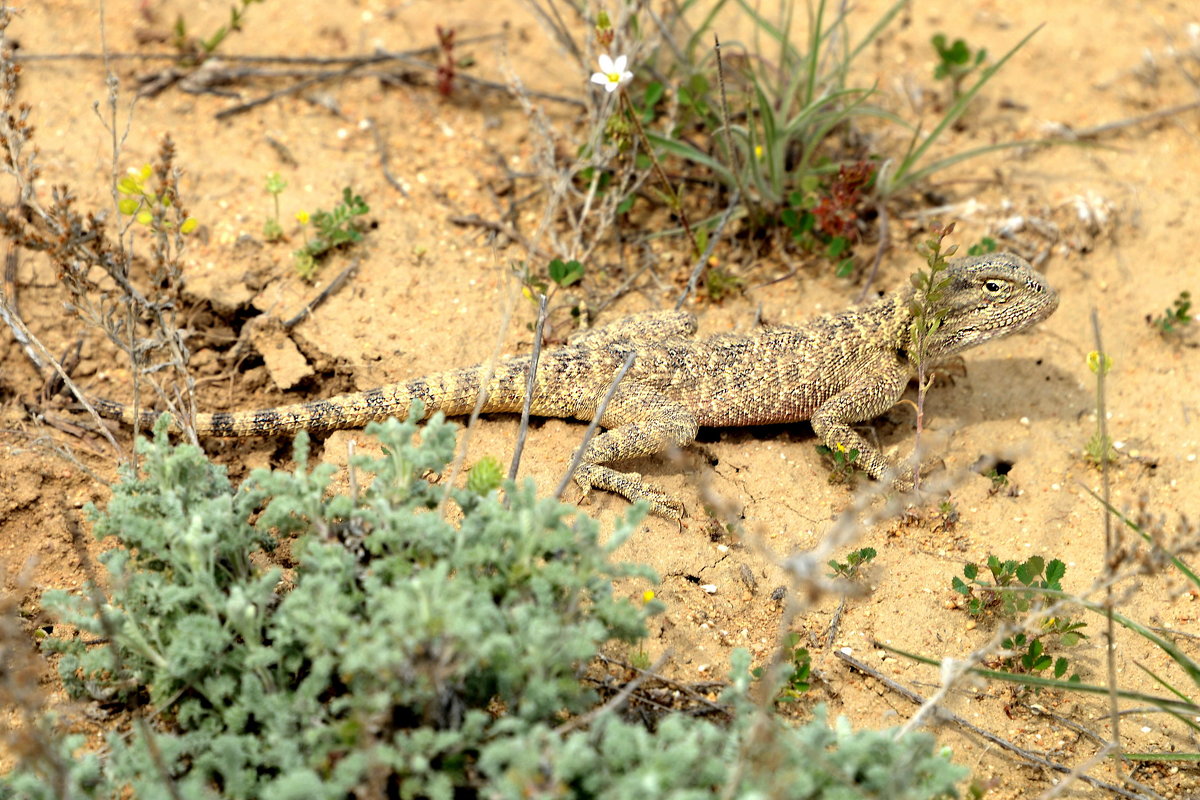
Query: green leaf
(565, 273)
(1028, 572)
(654, 92)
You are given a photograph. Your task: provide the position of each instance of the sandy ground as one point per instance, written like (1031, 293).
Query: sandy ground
(1110, 225)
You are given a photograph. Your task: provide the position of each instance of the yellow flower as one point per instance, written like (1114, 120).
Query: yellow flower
(302, 216)
(647, 595)
(1099, 363)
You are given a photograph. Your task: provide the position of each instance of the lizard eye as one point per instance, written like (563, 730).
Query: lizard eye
(992, 287)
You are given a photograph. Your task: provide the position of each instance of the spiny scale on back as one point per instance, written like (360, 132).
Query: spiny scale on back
(834, 370)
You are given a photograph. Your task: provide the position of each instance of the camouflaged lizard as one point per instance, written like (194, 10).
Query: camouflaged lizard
(833, 370)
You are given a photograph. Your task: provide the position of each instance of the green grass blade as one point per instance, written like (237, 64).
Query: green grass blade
(814, 51)
(709, 222)
(1163, 683)
(1185, 663)
(974, 152)
(1164, 703)
(876, 29)
(690, 153)
(1158, 756)
(901, 177)
(1178, 656)
(1185, 719)
(1179, 563)
(770, 141)
(762, 23)
(705, 25)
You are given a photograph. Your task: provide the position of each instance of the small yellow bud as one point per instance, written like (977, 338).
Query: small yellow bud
(302, 216)
(1099, 363)
(647, 595)
(188, 225)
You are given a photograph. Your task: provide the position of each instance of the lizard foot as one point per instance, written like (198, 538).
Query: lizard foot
(630, 486)
(903, 479)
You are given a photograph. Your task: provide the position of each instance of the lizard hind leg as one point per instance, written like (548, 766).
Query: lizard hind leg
(639, 421)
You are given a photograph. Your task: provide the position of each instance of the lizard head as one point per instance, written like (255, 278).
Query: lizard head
(990, 296)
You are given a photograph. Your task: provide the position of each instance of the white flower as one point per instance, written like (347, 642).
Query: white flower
(612, 73)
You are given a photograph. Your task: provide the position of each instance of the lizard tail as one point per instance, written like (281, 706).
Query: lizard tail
(454, 393)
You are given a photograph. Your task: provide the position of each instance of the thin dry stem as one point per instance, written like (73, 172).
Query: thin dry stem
(530, 385)
(1111, 546)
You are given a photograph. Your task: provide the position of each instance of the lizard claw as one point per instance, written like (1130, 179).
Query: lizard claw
(630, 486)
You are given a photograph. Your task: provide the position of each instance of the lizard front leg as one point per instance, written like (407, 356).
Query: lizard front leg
(861, 402)
(639, 421)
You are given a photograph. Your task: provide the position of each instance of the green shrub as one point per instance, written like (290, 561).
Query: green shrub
(402, 656)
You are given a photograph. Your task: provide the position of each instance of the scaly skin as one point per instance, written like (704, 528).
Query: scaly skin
(834, 370)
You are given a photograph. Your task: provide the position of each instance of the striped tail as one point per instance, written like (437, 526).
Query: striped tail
(454, 393)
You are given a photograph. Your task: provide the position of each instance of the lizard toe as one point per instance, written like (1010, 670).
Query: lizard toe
(630, 486)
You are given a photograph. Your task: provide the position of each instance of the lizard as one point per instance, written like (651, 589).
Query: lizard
(833, 370)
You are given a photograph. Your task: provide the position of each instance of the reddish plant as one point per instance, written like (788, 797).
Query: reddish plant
(446, 69)
(837, 211)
